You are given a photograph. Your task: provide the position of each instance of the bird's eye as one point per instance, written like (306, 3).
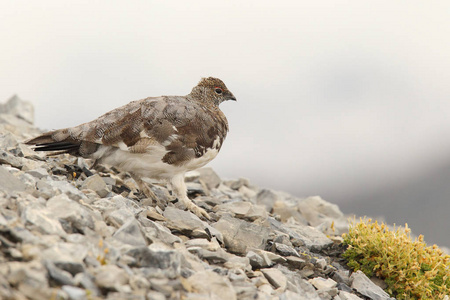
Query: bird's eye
(218, 90)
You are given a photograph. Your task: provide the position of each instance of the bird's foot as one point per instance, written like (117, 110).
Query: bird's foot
(198, 211)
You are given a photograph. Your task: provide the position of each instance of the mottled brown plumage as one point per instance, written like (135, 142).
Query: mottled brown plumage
(157, 137)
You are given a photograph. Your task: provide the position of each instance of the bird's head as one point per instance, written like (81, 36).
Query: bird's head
(214, 89)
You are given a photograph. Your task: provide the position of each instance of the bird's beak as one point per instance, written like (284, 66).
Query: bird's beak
(232, 97)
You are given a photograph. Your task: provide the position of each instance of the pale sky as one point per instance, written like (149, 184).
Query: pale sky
(333, 96)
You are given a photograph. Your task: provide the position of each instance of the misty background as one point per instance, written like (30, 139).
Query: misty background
(348, 100)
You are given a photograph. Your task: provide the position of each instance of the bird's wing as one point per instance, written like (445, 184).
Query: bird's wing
(184, 128)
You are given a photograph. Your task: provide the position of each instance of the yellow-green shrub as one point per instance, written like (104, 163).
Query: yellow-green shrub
(410, 269)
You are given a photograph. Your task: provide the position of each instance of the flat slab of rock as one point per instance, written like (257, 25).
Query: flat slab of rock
(312, 238)
(244, 210)
(9, 183)
(210, 285)
(19, 108)
(276, 278)
(37, 216)
(165, 262)
(189, 224)
(240, 235)
(365, 286)
(130, 233)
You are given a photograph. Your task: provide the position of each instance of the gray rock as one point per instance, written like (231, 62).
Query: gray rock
(192, 176)
(119, 217)
(75, 293)
(237, 184)
(189, 224)
(248, 193)
(258, 261)
(276, 278)
(325, 285)
(183, 221)
(214, 257)
(245, 290)
(165, 262)
(296, 262)
(211, 285)
(7, 140)
(270, 256)
(343, 287)
(312, 238)
(57, 275)
(282, 239)
(86, 281)
(111, 277)
(28, 180)
(45, 190)
(19, 127)
(194, 188)
(268, 198)
(321, 263)
(9, 182)
(109, 181)
(366, 287)
(348, 296)
(21, 109)
(162, 285)
(10, 159)
(285, 250)
(22, 234)
(97, 184)
(240, 235)
(140, 283)
(209, 177)
(243, 210)
(130, 233)
(154, 214)
(66, 256)
(325, 216)
(321, 206)
(289, 295)
(300, 285)
(212, 245)
(68, 189)
(30, 164)
(23, 150)
(286, 210)
(38, 217)
(341, 276)
(38, 173)
(155, 231)
(120, 202)
(237, 262)
(223, 193)
(78, 216)
(154, 295)
(29, 278)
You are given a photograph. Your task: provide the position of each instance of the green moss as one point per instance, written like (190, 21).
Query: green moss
(411, 269)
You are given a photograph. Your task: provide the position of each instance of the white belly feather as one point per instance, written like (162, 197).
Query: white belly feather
(150, 164)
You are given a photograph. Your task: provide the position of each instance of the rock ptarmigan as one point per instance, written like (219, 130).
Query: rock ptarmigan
(157, 137)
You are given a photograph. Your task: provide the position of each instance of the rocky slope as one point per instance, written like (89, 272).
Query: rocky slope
(71, 232)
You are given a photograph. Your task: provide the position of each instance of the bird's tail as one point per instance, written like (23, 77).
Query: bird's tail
(62, 141)
(54, 141)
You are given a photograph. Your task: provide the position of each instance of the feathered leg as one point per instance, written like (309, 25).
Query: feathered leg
(180, 191)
